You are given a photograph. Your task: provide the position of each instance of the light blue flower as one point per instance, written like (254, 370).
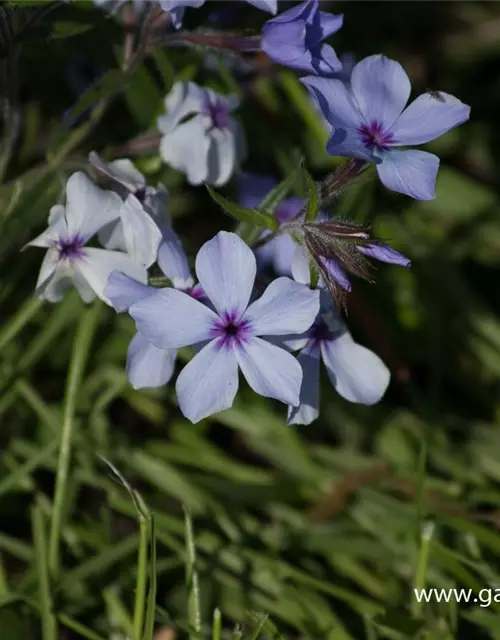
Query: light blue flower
(68, 259)
(355, 372)
(295, 39)
(200, 137)
(171, 319)
(369, 121)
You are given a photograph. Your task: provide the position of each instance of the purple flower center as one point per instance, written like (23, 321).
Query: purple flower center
(70, 248)
(374, 137)
(320, 331)
(230, 330)
(218, 113)
(140, 194)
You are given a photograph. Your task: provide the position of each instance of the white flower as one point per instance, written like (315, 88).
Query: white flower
(68, 259)
(136, 230)
(201, 139)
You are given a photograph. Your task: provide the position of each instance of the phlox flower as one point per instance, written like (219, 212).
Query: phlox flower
(295, 39)
(369, 121)
(200, 137)
(176, 7)
(68, 259)
(137, 228)
(355, 372)
(229, 331)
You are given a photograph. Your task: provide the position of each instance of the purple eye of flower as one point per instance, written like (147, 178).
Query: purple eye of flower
(70, 248)
(374, 137)
(231, 330)
(140, 194)
(321, 332)
(218, 114)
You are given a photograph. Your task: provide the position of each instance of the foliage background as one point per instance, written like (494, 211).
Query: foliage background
(319, 526)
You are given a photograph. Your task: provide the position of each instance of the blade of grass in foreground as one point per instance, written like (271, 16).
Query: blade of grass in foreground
(193, 587)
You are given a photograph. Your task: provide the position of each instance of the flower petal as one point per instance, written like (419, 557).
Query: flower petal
(270, 371)
(335, 101)
(186, 149)
(121, 171)
(148, 366)
(184, 99)
(123, 291)
(357, 373)
(347, 142)
(221, 156)
(226, 269)
(208, 383)
(300, 266)
(271, 6)
(47, 270)
(141, 233)
(384, 253)
(252, 188)
(171, 319)
(173, 260)
(427, 118)
(284, 307)
(89, 208)
(411, 172)
(97, 265)
(284, 42)
(381, 89)
(308, 409)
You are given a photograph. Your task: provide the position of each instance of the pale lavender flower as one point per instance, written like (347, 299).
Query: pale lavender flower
(171, 319)
(369, 121)
(137, 229)
(68, 259)
(295, 39)
(176, 7)
(356, 373)
(201, 139)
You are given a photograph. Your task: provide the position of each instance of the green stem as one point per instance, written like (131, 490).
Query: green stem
(423, 561)
(49, 623)
(4, 583)
(142, 578)
(78, 628)
(83, 339)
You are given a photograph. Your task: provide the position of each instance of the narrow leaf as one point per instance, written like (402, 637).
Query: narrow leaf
(255, 217)
(313, 199)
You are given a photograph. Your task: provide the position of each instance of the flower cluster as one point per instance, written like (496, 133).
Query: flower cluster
(278, 334)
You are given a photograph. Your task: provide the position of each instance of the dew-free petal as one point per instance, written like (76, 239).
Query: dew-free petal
(226, 269)
(356, 373)
(171, 319)
(270, 371)
(186, 149)
(411, 172)
(308, 409)
(122, 291)
(173, 261)
(208, 383)
(88, 208)
(427, 118)
(381, 89)
(384, 253)
(335, 101)
(285, 307)
(148, 366)
(142, 235)
(96, 266)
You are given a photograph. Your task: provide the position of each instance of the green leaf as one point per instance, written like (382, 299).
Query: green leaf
(252, 216)
(274, 197)
(66, 28)
(313, 199)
